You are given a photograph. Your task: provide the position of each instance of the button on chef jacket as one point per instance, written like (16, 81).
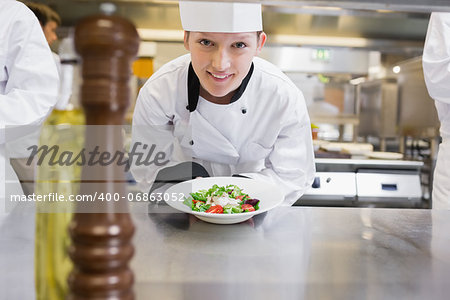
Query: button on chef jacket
(264, 133)
(436, 67)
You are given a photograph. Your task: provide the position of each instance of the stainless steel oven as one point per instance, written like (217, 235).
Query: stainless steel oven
(365, 182)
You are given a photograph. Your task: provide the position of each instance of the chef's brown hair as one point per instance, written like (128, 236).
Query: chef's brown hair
(44, 13)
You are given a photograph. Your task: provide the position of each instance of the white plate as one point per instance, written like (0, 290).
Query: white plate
(350, 148)
(269, 195)
(385, 155)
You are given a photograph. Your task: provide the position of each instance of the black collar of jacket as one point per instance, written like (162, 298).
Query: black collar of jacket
(194, 88)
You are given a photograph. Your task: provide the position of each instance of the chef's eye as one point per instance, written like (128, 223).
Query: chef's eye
(240, 45)
(205, 42)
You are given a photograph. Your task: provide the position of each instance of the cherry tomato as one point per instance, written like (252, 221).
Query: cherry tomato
(216, 209)
(247, 207)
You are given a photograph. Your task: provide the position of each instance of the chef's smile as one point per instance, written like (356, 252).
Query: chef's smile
(220, 77)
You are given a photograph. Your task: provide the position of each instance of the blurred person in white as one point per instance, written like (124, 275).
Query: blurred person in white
(228, 112)
(28, 84)
(436, 68)
(28, 90)
(26, 171)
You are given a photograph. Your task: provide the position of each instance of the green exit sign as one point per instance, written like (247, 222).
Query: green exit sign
(321, 54)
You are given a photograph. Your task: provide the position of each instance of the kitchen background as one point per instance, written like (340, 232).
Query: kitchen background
(358, 64)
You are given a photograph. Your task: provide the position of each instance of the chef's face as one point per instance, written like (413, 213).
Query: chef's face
(222, 60)
(50, 31)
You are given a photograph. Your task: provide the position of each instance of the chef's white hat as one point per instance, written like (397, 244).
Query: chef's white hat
(220, 16)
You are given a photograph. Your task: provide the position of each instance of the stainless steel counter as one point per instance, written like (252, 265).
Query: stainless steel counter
(296, 253)
(288, 253)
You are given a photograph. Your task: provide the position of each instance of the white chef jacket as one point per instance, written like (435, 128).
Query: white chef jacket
(28, 82)
(436, 67)
(265, 133)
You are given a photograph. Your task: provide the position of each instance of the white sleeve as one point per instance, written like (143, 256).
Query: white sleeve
(436, 57)
(152, 135)
(291, 165)
(30, 82)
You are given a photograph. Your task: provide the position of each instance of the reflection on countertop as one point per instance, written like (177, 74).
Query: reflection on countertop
(287, 253)
(295, 253)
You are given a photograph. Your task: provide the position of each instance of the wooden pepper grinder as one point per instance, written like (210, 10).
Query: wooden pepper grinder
(101, 230)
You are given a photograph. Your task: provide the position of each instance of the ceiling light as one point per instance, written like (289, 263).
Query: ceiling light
(396, 69)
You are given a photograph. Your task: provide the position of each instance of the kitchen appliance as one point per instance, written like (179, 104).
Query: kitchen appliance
(397, 107)
(378, 105)
(417, 116)
(331, 188)
(365, 182)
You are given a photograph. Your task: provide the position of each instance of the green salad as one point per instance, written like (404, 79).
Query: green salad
(228, 199)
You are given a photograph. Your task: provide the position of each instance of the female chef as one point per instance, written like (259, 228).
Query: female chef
(436, 67)
(224, 109)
